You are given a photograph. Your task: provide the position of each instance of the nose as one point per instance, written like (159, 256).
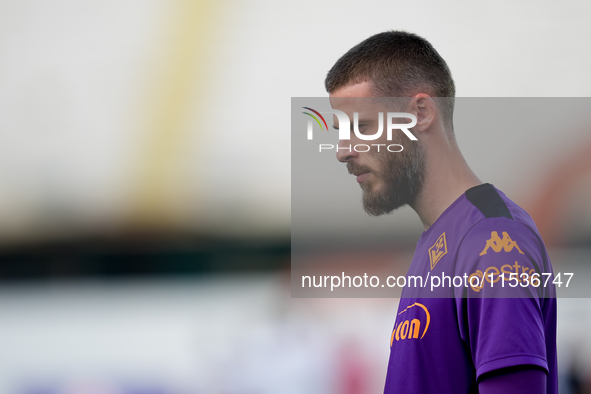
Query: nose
(345, 151)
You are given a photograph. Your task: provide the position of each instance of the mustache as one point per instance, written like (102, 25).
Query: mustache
(356, 169)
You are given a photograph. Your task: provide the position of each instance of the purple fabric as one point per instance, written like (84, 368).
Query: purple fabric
(522, 381)
(446, 344)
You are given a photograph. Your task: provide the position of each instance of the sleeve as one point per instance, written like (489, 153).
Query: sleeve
(520, 380)
(500, 311)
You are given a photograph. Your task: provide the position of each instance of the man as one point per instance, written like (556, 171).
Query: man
(482, 335)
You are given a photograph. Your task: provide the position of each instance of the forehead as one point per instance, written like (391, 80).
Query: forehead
(361, 89)
(354, 98)
(350, 95)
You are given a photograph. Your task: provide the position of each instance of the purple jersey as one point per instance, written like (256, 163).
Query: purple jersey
(444, 341)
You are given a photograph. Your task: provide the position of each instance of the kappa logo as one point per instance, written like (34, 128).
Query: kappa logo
(438, 250)
(411, 327)
(496, 243)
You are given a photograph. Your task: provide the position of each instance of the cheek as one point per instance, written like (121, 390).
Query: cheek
(378, 161)
(382, 140)
(388, 162)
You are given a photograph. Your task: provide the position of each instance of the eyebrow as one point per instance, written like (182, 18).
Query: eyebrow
(361, 123)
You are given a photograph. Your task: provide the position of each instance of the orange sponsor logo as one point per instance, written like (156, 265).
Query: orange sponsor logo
(411, 327)
(511, 273)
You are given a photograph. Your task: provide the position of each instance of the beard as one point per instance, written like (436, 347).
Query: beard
(401, 178)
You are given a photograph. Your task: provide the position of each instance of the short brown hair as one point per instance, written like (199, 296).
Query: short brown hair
(398, 64)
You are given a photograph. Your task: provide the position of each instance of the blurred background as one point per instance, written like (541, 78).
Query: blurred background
(145, 186)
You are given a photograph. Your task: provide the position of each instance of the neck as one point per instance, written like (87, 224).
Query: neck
(447, 177)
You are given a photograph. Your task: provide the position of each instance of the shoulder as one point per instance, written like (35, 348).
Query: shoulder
(488, 200)
(504, 233)
(499, 237)
(500, 221)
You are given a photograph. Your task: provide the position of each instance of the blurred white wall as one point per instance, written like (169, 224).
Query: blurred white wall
(89, 140)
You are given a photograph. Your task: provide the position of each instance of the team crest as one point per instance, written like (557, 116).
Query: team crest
(438, 250)
(497, 244)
